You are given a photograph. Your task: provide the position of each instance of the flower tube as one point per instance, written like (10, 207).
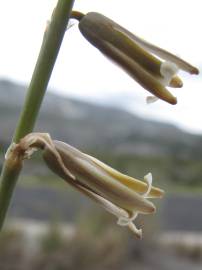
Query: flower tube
(123, 196)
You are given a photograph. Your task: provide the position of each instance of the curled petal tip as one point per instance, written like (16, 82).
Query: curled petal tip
(137, 232)
(148, 179)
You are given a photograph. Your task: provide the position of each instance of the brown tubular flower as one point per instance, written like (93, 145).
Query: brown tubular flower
(137, 57)
(123, 196)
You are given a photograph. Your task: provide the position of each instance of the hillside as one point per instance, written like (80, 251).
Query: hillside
(91, 126)
(115, 135)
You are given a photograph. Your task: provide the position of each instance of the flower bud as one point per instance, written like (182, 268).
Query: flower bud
(137, 57)
(119, 194)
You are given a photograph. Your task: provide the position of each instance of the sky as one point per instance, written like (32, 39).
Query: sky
(81, 71)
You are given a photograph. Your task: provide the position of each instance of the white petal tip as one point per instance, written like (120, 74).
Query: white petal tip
(123, 221)
(151, 99)
(148, 179)
(137, 232)
(168, 70)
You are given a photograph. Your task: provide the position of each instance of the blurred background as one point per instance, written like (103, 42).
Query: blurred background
(95, 106)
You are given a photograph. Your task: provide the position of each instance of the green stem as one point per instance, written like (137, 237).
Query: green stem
(9, 178)
(41, 75)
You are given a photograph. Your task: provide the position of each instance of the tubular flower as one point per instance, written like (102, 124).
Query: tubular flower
(123, 196)
(140, 59)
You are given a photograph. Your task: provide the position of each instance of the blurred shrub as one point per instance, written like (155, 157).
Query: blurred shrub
(52, 240)
(96, 243)
(11, 251)
(94, 246)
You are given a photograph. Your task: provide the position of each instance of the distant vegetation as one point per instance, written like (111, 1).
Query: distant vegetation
(93, 245)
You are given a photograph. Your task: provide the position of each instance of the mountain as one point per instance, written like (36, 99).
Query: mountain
(129, 143)
(91, 126)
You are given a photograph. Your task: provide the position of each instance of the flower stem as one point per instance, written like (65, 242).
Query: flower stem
(49, 50)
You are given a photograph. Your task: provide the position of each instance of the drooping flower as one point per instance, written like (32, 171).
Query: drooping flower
(140, 59)
(123, 196)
